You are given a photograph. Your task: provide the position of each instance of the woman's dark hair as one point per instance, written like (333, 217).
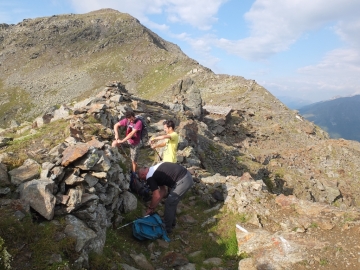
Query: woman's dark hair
(169, 123)
(128, 114)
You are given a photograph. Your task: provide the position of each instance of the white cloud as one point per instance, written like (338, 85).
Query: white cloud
(153, 25)
(202, 48)
(199, 14)
(349, 31)
(337, 61)
(338, 72)
(276, 25)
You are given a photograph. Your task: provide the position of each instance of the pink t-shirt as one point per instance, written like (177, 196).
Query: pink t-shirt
(130, 126)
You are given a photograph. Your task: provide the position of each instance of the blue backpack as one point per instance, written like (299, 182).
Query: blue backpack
(149, 228)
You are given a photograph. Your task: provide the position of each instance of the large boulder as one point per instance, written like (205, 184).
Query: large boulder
(77, 229)
(28, 171)
(38, 194)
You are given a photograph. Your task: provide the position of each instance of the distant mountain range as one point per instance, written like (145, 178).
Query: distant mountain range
(340, 117)
(293, 102)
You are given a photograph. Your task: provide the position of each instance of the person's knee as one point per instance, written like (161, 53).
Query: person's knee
(172, 200)
(114, 144)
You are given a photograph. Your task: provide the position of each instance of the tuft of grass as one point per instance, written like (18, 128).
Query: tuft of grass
(99, 261)
(348, 217)
(13, 162)
(91, 119)
(230, 243)
(269, 183)
(243, 218)
(5, 257)
(243, 255)
(323, 262)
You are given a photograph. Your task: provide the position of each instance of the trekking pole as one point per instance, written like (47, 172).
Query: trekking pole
(123, 150)
(131, 222)
(155, 149)
(158, 154)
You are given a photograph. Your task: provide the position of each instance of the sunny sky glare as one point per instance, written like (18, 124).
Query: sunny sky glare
(309, 49)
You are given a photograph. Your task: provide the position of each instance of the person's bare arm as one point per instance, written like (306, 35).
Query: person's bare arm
(162, 144)
(161, 137)
(116, 130)
(128, 136)
(158, 145)
(155, 200)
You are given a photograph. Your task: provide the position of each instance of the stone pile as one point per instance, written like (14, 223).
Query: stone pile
(82, 179)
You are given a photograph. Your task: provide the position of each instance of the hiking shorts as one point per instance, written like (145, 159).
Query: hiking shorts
(134, 151)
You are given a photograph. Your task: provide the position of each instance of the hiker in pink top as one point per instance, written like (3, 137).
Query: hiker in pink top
(132, 138)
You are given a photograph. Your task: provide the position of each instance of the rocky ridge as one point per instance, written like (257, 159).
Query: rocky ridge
(82, 179)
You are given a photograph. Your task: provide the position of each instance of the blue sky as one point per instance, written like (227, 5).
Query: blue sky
(308, 49)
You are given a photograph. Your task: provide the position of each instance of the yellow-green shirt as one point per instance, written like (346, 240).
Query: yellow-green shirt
(171, 148)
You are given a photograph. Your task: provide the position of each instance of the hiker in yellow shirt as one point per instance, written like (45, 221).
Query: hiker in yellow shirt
(171, 142)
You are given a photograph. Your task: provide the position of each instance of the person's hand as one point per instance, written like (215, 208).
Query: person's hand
(149, 211)
(153, 146)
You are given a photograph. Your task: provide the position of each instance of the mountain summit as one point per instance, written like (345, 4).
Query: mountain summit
(54, 60)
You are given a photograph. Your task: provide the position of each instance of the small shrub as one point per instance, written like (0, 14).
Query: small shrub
(13, 162)
(91, 119)
(269, 183)
(5, 257)
(323, 262)
(243, 255)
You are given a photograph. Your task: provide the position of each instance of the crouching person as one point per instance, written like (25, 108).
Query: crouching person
(160, 177)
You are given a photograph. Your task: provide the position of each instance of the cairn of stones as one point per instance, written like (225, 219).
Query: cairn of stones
(82, 179)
